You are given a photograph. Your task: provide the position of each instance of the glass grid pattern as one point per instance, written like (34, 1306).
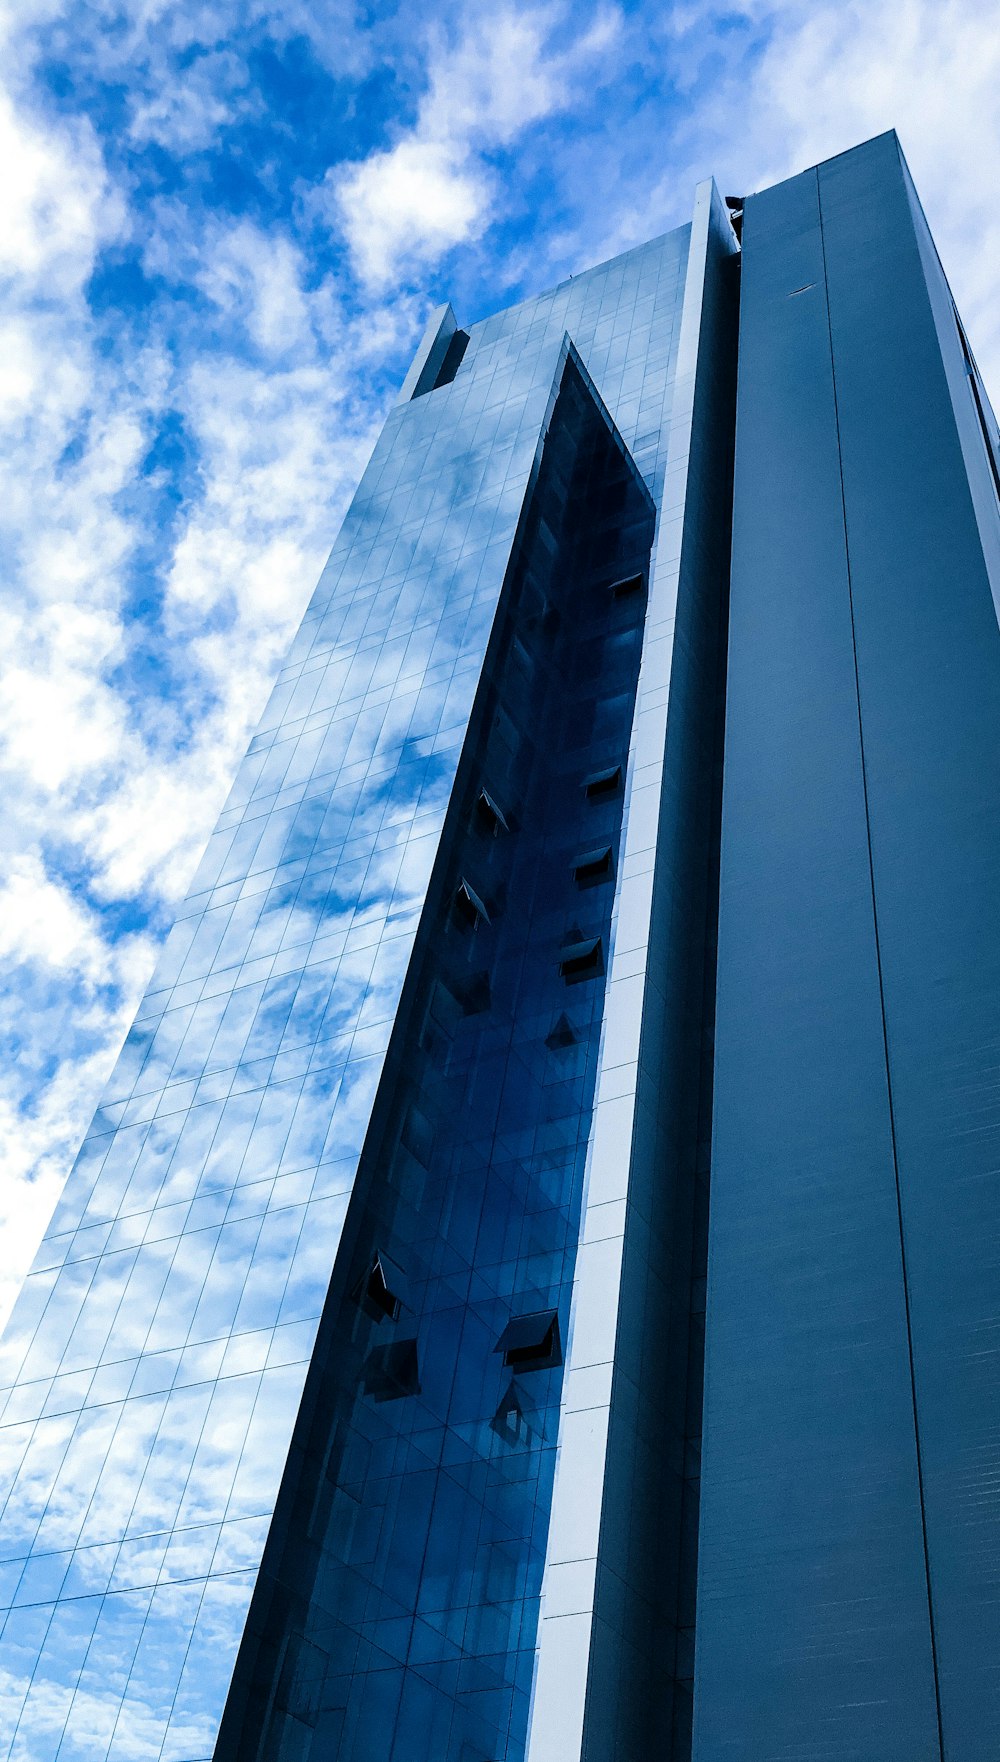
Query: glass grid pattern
(398, 1610)
(154, 1364)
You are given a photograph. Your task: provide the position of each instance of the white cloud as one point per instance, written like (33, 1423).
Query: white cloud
(404, 207)
(257, 278)
(415, 201)
(122, 787)
(932, 71)
(182, 68)
(55, 201)
(59, 970)
(806, 79)
(69, 442)
(43, 923)
(57, 722)
(510, 70)
(185, 114)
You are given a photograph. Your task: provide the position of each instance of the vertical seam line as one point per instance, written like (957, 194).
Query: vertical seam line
(881, 994)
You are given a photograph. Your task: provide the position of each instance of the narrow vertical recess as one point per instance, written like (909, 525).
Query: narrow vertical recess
(703, 632)
(641, 1675)
(694, 1370)
(881, 990)
(990, 433)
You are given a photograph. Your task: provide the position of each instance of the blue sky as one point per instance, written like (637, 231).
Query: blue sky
(221, 228)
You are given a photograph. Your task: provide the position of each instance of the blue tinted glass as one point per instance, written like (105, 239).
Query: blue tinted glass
(414, 1513)
(154, 1366)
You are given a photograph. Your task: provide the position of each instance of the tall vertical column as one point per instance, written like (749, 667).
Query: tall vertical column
(923, 527)
(814, 1635)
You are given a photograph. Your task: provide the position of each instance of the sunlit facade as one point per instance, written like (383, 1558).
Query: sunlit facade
(352, 1410)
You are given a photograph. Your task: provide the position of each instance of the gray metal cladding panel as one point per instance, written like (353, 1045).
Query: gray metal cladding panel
(974, 417)
(929, 667)
(813, 1636)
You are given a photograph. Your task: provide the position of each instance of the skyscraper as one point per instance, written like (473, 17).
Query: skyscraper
(530, 1289)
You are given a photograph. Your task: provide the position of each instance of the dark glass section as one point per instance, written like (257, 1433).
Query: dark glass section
(984, 415)
(594, 867)
(396, 1607)
(604, 783)
(453, 358)
(439, 355)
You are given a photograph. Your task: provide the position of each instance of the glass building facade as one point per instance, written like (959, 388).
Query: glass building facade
(529, 1290)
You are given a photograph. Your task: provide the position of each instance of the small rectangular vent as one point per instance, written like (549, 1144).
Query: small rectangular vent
(627, 587)
(531, 1342)
(380, 1291)
(582, 960)
(603, 784)
(593, 867)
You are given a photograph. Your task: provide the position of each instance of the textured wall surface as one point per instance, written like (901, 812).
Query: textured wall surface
(848, 1595)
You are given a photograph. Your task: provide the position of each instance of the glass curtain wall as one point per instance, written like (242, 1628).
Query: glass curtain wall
(397, 1604)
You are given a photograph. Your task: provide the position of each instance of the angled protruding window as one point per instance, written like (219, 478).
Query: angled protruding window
(593, 867)
(561, 1034)
(510, 1420)
(489, 815)
(531, 1342)
(468, 907)
(392, 1371)
(627, 587)
(381, 1291)
(601, 785)
(582, 960)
